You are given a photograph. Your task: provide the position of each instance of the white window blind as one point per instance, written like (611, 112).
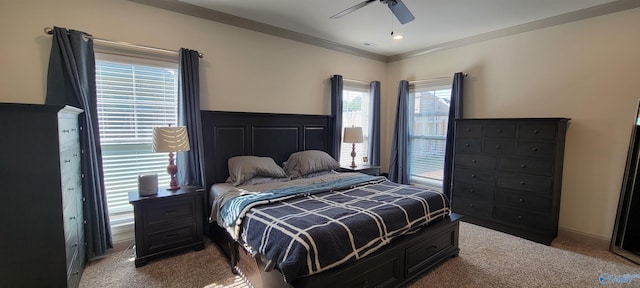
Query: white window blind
(429, 101)
(133, 95)
(356, 101)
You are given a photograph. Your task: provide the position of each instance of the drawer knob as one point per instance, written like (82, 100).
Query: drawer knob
(534, 149)
(497, 146)
(536, 131)
(72, 218)
(521, 200)
(65, 130)
(362, 284)
(472, 191)
(499, 130)
(70, 189)
(468, 129)
(522, 183)
(170, 236)
(67, 161)
(471, 205)
(467, 145)
(431, 248)
(474, 161)
(523, 166)
(473, 176)
(170, 212)
(520, 217)
(74, 245)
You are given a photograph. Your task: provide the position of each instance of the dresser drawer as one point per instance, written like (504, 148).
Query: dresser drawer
(499, 130)
(468, 145)
(499, 146)
(168, 213)
(523, 182)
(68, 131)
(418, 256)
(536, 149)
(545, 131)
(474, 177)
(527, 166)
(468, 129)
(524, 201)
(475, 161)
(476, 192)
(523, 219)
(170, 237)
(473, 207)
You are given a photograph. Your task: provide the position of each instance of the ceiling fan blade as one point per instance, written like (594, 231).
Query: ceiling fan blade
(401, 11)
(351, 9)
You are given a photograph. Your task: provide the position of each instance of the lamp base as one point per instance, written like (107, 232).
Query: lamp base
(353, 156)
(172, 170)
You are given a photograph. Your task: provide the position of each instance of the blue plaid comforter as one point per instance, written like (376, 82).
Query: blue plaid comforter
(317, 231)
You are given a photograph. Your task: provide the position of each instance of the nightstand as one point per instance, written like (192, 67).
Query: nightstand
(365, 169)
(167, 222)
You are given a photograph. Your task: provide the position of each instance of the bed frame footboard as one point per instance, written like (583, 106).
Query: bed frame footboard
(394, 265)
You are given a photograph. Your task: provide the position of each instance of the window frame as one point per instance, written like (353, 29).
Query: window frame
(440, 85)
(350, 87)
(122, 220)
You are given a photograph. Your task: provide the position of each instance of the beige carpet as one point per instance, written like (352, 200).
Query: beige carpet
(487, 259)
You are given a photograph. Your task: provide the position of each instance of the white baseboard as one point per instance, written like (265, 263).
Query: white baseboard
(577, 236)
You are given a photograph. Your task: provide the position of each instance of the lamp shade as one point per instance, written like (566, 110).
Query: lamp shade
(170, 139)
(352, 135)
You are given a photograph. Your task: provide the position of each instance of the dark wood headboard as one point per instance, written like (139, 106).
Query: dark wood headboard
(228, 134)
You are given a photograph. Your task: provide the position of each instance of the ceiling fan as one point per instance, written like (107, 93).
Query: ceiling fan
(397, 7)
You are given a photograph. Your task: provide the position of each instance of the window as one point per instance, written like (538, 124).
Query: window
(133, 95)
(429, 102)
(356, 101)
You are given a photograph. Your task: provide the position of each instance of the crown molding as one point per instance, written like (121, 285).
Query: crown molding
(224, 18)
(578, 15)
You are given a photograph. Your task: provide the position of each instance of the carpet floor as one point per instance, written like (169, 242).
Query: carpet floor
(487, 259)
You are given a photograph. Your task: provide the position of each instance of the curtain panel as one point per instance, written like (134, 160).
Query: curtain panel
(190, 163)
(398, 164)
(374, 127)
(455, 112)
(71, 80)
(336, 112)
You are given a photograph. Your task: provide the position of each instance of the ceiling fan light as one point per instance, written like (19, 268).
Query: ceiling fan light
(397, 37)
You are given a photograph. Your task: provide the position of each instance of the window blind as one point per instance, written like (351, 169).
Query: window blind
(427, 135)
(133, 96)
(355, 112)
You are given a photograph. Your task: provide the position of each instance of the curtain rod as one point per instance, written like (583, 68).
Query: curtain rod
(49, 30)
(436, 78)
(354, 80)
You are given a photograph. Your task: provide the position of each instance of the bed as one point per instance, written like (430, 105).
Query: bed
(227, 135)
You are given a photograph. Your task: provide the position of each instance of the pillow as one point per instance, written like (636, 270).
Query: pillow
(304, 162)
(256, 180)
(243, 168)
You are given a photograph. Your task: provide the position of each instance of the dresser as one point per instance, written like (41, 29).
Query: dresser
(508, 174)
(41, 219)
(167, 222)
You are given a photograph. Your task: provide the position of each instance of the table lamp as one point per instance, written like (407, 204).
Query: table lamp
(171, 139)
(353, 135)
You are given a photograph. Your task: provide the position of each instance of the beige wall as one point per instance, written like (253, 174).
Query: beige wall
(241, 71)
(588, 71)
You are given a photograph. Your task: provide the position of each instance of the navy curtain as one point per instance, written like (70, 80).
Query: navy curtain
(374, 127)
(336, 112)
(455, 112)
(71, 80)
(190, 165)
(399, 164)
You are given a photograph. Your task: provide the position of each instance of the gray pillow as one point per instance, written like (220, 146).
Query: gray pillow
(243, 168)
(304, 162)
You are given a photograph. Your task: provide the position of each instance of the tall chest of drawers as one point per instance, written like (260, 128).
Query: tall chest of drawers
(508, 174)
(41, 214)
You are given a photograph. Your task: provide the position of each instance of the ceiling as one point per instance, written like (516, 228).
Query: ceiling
(437, 24)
